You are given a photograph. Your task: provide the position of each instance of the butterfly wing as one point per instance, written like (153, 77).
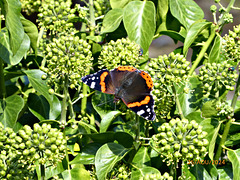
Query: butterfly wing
(100, 81)
(134, 87)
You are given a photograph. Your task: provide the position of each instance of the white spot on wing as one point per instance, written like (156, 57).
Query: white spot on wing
(141, 112)
(93, 85)
(93, 78)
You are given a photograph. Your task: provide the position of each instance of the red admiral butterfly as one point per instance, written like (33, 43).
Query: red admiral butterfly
(127, 83)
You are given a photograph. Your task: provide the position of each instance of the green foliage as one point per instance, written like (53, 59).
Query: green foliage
(52, 126)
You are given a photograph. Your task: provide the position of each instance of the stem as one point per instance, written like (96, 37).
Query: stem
(235, 96)
(223, 139)
(177, 102)
(42, 169)
(203, 50)
(2, 81)
(138, 129)
(64, 101)
(92, 26)
(66, 149)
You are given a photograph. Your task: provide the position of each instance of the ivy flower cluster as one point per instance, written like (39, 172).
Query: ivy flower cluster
(180, 139)
(19, 151)
(214, 76)
(121, 52)
(231, 44)
(56, 16)
(68, 59)
(166, 70)
(165, 176)
(30, 6)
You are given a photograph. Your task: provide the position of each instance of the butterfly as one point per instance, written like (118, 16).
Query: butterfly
(127, 83)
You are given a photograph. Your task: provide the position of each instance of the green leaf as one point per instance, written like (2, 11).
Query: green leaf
(87, 154)
(103, 103)
(209, 109)
(214, 54)
(191, 101)
(32, 32)
(141, 172)
(76, 173)
(107, 119)
(9, 110)
(54, 170)
(39, 107)
(39, 85)
(225, 172)
(234, 157)
(200, 172)
(186, 11)
(123, 138)
(139, 22)
(141, 158)
(11, 10)
(173, 34)
(106, 157)
(161, 17)
(118, 4)
(112, 20)
(192, 34)
(5, 49)
(233, 139)
(214, 134)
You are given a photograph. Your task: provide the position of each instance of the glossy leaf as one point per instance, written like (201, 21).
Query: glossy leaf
(200, 172)
(9, 110)
(142, 158)
(225, 173)
(234, 157)
(192, 33)
(39, 106)
(107, 119)
(106, 157)
(141, 172)
(186, 11)
(161, 16)
(39, 85)
(32, 32)
(215, 51)
(76, 173)
(209, 109)
(54, 170)
(12, 9)
(139, 22)
(212, 142)
(118, 4)
(112, 20)
(173, 34)
(5, 48)
(233, 139)
(87, 154)
(191, 101)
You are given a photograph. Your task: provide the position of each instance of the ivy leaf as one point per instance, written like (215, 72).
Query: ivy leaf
(76, 173)
(12, 11)
(186, 11)
(32, 32)
(161, 17)
(112, 20)
(9, 110)
(142, 158)
(139, 22)
(141, 172)
(107, 119)
(39, 85)
(209, 109)
(107, 156)
(192, 34)
(234, 157)
(212, 141)
(215, 50)
(118, 4)
(225, 172)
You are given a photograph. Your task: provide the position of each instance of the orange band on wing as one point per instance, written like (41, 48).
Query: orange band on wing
(128, 68)
(134, 104)
(148, 79)
(102, 83)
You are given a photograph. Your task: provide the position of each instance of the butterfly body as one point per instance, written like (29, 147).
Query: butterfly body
(127, 83)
